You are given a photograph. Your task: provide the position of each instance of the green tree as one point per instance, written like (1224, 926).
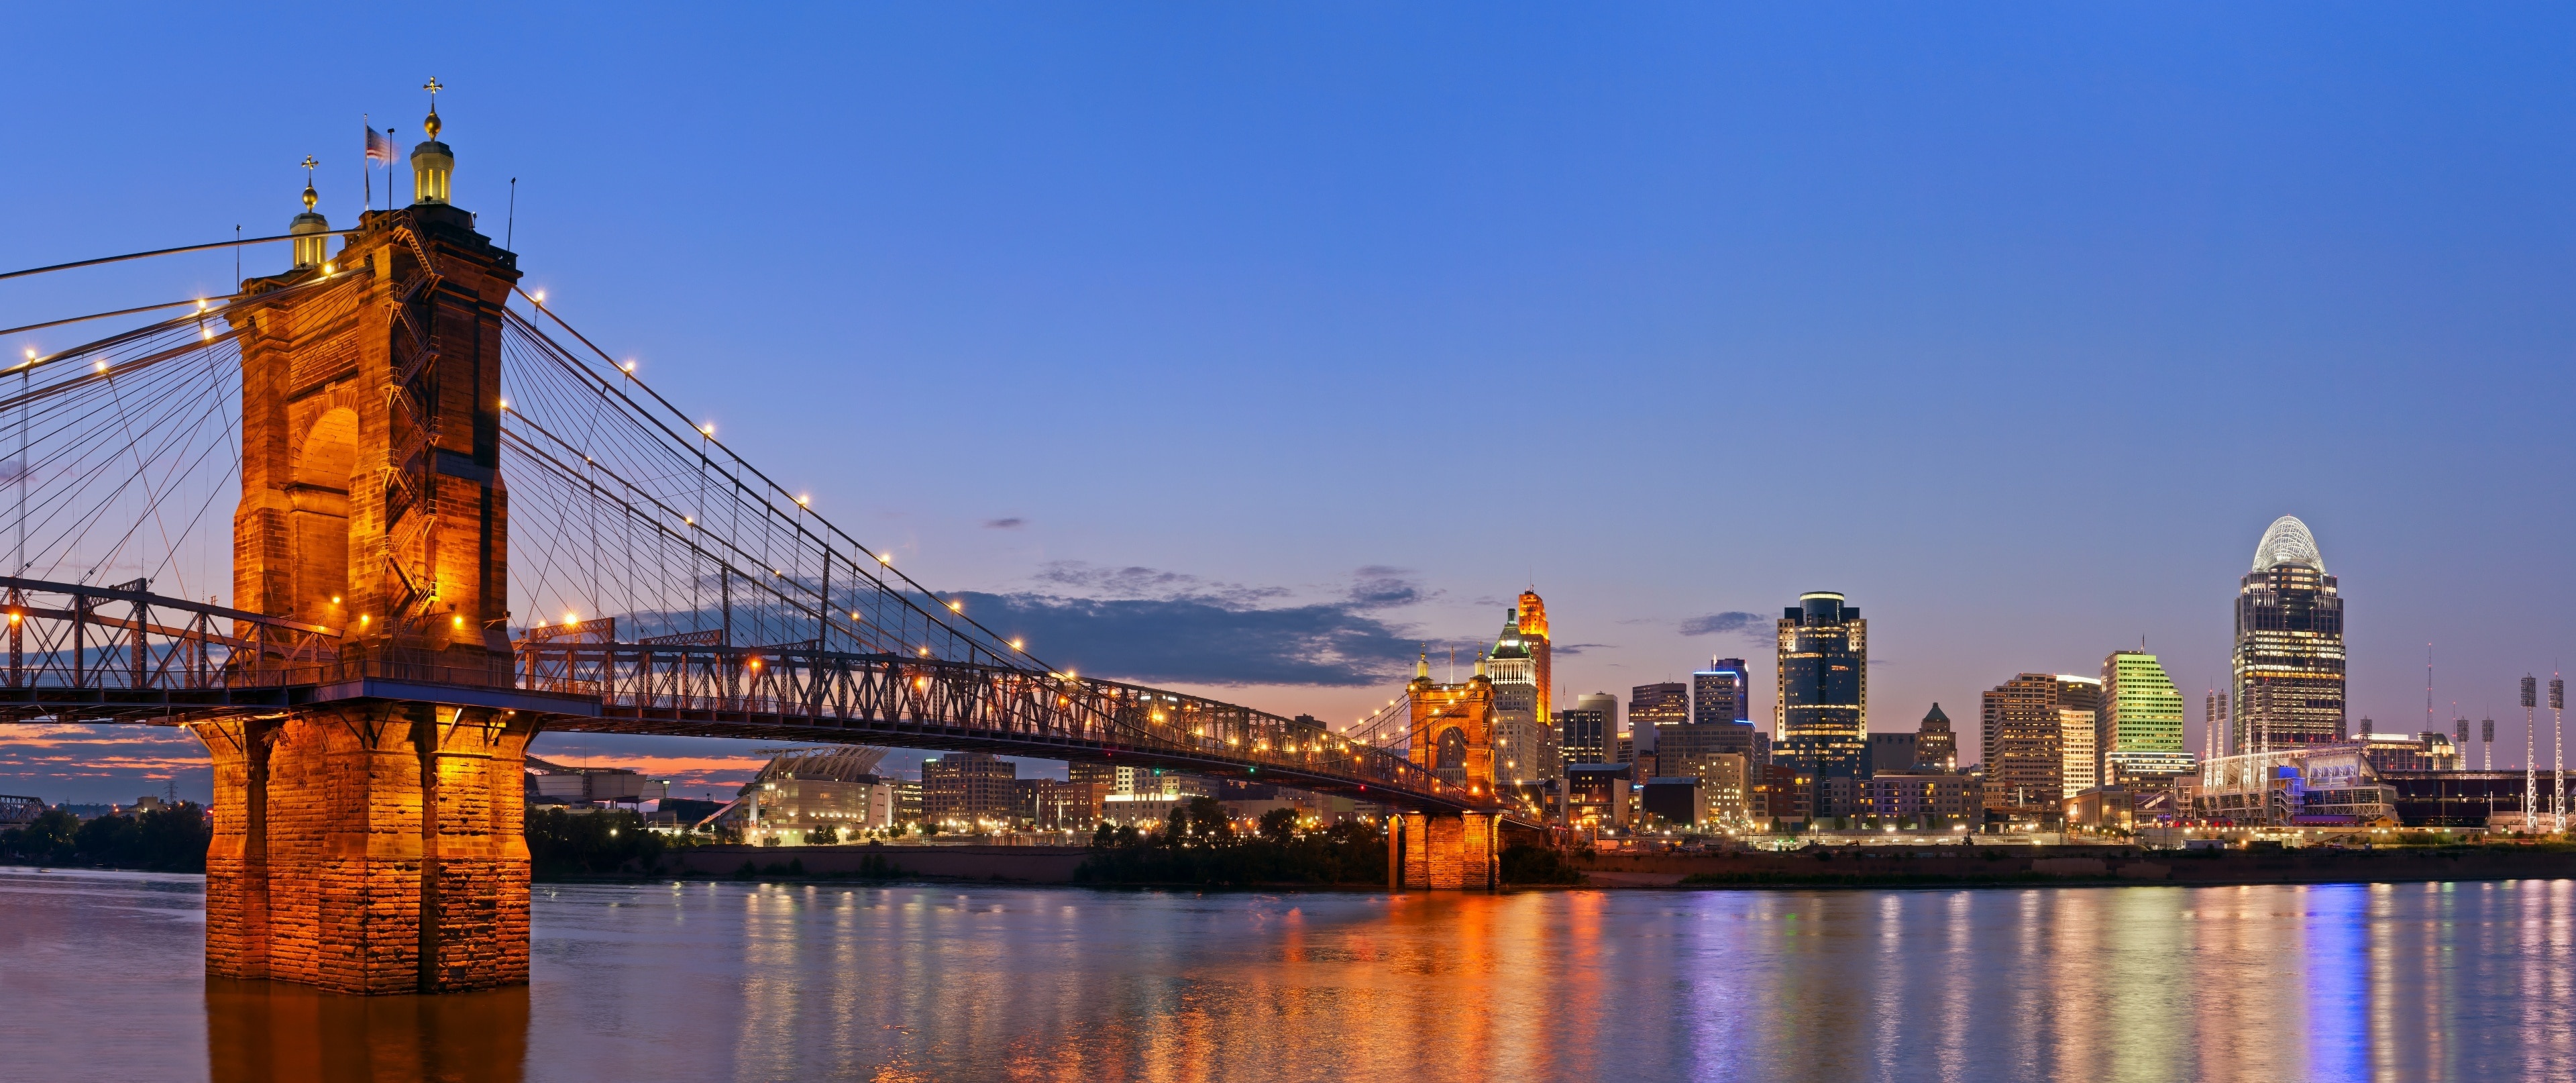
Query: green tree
(563, 843)
(48, 840)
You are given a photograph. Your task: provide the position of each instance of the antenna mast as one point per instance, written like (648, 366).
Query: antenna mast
(2530, 757)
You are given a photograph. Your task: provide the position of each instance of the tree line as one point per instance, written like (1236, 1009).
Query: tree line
(170, 838)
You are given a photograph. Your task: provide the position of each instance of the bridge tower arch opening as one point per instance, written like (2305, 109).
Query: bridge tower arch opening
(323, 472)
(1453, 736)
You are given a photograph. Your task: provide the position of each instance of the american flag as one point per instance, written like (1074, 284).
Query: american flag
(380, 147)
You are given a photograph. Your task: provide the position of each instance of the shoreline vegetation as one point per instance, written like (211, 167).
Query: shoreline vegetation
(169, 838)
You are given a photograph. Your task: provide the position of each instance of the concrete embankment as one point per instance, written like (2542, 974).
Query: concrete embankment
(1021, 864)
(1905, 866)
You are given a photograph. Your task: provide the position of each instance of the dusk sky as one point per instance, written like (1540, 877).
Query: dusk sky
(1237, 348)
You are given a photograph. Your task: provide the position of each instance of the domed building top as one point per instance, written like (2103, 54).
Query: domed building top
(1508, 644)
(432, 164)
(2287, 541)
(309, 229)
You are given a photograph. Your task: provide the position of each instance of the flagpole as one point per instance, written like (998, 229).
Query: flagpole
(368, 203)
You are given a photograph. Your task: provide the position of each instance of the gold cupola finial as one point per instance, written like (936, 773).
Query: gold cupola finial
(310, 230)
(432, 164)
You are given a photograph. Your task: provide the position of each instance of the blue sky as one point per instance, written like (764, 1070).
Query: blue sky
(1229, 330)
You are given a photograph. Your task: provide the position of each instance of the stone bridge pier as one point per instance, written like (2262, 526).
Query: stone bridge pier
(371, 848)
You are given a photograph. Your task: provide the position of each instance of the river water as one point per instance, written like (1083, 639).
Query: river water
(101, 978)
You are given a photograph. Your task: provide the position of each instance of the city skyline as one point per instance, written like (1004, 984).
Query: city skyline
(1498, 232)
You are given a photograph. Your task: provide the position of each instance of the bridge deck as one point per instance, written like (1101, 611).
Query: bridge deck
(783, 695)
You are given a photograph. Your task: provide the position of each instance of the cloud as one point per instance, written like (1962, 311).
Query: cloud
(1012, 523)
(1569, 650)
(1153, 625)
(1731, 622)
(1381, 587)
(1135, 581)
(1201, 639)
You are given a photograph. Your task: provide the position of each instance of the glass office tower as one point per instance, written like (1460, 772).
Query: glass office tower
(2289, 679)
(1821, 715)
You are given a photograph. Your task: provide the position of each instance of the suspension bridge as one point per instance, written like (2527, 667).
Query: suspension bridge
(370, 523)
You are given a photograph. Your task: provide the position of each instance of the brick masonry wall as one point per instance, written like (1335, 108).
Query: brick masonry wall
(324, 872)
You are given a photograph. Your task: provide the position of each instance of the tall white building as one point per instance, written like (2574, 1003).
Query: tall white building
(1525, 741)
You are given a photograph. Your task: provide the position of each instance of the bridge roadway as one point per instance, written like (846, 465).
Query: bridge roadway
(169, 661)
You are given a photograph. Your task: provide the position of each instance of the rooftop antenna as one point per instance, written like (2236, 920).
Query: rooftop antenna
(2428, 688)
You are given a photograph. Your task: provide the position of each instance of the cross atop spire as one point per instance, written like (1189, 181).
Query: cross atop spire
(431, 125)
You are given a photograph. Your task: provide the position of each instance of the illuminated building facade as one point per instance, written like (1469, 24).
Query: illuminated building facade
(1722, 693)
(1534, 639)
(1593, 709)
(2289, 660)
(1935, 747)
(1525, 745)
(1651, 708)
(2079, 757)
(2141, 734)
(963, 789)
(1596, 795)
(1583, 734)
(1822, 710)
(2024, 723)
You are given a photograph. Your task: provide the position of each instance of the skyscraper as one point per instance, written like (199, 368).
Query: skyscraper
(1821, 712)
(2141, 731)
(1534, 638)
(1935, 747)
(1722, 693)
(1588, 732)
(1652, 705)
(2289, 679)
(2024, 724)
(1720, 718)
(1525, 745)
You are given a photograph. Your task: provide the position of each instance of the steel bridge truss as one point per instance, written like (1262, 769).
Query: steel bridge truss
(806, 694)
(81, 653)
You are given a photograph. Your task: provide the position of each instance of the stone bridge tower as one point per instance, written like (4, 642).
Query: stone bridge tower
(371, 841)
(1453, 736)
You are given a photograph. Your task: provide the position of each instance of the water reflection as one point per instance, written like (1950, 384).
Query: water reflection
(728, 981)
(261, 1031)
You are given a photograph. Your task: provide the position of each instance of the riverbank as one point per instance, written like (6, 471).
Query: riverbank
(1965, 866)
(1008, 864)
